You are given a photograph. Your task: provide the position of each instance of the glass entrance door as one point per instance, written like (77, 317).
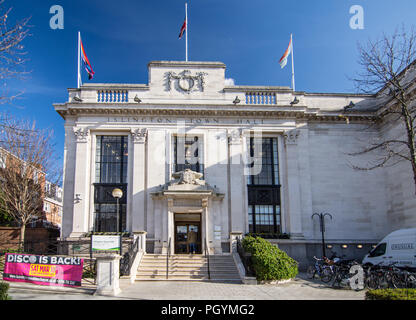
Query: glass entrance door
(187, 238)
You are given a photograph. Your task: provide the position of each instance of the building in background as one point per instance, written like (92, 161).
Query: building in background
(49, 196)
(52, 205)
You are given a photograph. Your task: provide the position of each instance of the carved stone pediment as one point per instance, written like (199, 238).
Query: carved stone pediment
(187, 184)
(188, 177)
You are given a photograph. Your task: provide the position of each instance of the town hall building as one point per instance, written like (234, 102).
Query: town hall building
(193, 154)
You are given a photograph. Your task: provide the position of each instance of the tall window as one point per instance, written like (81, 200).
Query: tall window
(110, 172)
(187, 154)
(264, 187)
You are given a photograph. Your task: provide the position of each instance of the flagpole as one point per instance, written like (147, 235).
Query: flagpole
(79, 60)
(293, 65)
(186, 29)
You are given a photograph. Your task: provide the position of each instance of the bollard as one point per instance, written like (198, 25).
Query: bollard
(108, 274)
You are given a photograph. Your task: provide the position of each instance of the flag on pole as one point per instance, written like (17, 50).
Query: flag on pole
(283, 59)
(87, 64)
(182, 29)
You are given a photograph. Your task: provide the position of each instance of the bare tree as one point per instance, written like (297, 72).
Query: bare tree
(389, 68)
(27, 159)
(12, 54)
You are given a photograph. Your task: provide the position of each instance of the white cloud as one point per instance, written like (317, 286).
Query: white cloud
(229, 82)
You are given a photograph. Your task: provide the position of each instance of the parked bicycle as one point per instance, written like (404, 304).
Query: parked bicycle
(320, 268)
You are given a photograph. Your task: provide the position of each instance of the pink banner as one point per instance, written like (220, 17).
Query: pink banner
(43, 270)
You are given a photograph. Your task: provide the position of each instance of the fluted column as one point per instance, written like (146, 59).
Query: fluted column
(293, 182)
(81, 182)
(138, 138)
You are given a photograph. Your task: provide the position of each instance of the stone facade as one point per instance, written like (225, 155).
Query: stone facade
(312, 136)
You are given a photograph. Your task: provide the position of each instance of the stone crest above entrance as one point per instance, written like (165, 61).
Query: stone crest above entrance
(187, 185)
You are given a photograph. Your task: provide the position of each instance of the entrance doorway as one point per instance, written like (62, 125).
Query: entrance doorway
(187, 234)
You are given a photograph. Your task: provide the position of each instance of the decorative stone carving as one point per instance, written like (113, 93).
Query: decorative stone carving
(186, 82)
(139, 135)
(291, 137)
(81, 134)
(235, 136)
(188, 177)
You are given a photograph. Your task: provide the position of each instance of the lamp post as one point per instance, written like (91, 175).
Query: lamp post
(322, 227)
(117, 193)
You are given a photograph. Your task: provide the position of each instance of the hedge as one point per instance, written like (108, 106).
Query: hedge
(4, 287)
(391, 294)
(269, 262)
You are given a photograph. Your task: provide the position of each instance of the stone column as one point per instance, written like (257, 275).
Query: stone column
(170, 229)
(139, 137)
(81, 182)
(205, 235)
(237, 181)
(108, 274)
(293, 182)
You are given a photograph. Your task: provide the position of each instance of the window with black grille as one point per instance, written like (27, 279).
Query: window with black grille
(187, 153)
(263, 186)
(110, 172)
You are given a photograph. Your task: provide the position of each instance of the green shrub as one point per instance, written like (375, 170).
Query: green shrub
(391, 294)
(269, 262)
(4, 287)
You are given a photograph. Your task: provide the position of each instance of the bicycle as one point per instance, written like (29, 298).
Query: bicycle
(342, 272)
(323, 270)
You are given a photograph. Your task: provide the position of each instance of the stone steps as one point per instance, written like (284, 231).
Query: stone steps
(187, 268)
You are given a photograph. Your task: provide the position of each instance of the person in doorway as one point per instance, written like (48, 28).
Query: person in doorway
(192, 241)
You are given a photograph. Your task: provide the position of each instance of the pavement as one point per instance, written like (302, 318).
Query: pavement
(300, 288)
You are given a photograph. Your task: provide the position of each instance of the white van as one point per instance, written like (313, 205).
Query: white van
(397, 247)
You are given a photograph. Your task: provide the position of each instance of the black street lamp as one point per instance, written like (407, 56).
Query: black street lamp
(117, 193)
(322, 227)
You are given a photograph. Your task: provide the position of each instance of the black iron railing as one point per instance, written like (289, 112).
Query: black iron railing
(167, 260)
(245, 259)
(207, 256)
(128, 258)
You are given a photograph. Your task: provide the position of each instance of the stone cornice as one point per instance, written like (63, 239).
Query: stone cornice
(312, 114)
(186, 64)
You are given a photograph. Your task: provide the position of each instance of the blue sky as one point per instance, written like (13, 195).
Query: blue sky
(121, 37)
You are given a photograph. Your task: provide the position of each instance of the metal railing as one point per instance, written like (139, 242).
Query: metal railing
(167, 259)
(207, 256)
(245, 259)
(128, 258)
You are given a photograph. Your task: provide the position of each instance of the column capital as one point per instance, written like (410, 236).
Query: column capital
(139, 135)
(235, 136)
(81, 134)
(291, 136)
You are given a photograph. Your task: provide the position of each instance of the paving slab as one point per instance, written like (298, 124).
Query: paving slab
(300, 288)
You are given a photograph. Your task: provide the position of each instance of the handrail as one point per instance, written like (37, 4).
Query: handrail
(207, 256)
(245, 259)
(167, 260)
(128, 258)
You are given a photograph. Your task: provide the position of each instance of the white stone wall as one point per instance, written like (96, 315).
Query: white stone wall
(401, 205)
(356, 199)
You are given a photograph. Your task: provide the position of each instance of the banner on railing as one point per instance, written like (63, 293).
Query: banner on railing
(43, 270)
